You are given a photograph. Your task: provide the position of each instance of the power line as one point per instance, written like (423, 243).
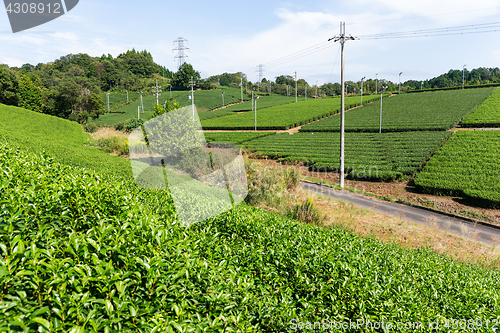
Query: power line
(457, 30)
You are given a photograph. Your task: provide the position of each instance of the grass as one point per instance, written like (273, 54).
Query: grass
(429, 111)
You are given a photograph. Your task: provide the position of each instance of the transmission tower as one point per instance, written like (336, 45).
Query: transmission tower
(180, 50)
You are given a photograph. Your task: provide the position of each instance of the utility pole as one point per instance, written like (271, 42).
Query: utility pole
(192, 95)
(380, 124)
(400, 82)
(342, 39)
(295, 87)
(223, 99)
(316, 93)
(157, 91)
(142, 104)
(241, 86)
(107, 100)
(256, 113)
(252, 98)
(463, 78)
(376, 84)
(138, 112)
(362, 90)
(180, 50)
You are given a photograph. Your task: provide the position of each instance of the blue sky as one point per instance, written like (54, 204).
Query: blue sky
(231, 36)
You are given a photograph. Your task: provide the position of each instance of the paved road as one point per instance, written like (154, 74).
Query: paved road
(455, 225)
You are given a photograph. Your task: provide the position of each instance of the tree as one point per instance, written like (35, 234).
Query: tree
(8, 86)
(183, 76)
(285, 79)
(30, 96)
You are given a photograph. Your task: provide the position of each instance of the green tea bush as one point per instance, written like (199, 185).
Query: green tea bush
(82, 251)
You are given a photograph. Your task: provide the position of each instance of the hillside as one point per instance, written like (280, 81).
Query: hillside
(85, 249)
(60, 138)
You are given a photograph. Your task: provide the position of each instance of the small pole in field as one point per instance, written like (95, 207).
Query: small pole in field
(362, 90)
(400, 82)
(295, 87)
(463, 78)
(380, 125)
(107, 99)
(138, 112)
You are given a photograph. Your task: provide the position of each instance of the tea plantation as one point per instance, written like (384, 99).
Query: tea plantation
(466, 165)
(283, 116)
(429, 111)
(385, 156)
(487, 114)
(83, 250)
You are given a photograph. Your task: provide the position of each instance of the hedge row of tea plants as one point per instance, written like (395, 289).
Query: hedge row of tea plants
(264, 102)
(487, 114)
(234, 137)
(84, 252)
(383, 156)
(60, 138)
(467, 165)
(283, 117)
(429, 111)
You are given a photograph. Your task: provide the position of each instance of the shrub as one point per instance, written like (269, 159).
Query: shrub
(132, 124)
(90, 127)
(119, 126)
(306, 212)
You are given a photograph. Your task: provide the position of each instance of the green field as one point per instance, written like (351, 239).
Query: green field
(487, 114)
(63, 139)
(283, 117)
(263, 102)
(383, 156)
(467, 165)
(204, 100)
(432, 111)
(119, 99)
(234, 137)
(86, 250)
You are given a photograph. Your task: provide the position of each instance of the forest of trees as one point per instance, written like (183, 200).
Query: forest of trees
(70, 86)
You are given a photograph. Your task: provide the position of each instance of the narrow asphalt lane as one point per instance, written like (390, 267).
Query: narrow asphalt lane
(456, 225)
